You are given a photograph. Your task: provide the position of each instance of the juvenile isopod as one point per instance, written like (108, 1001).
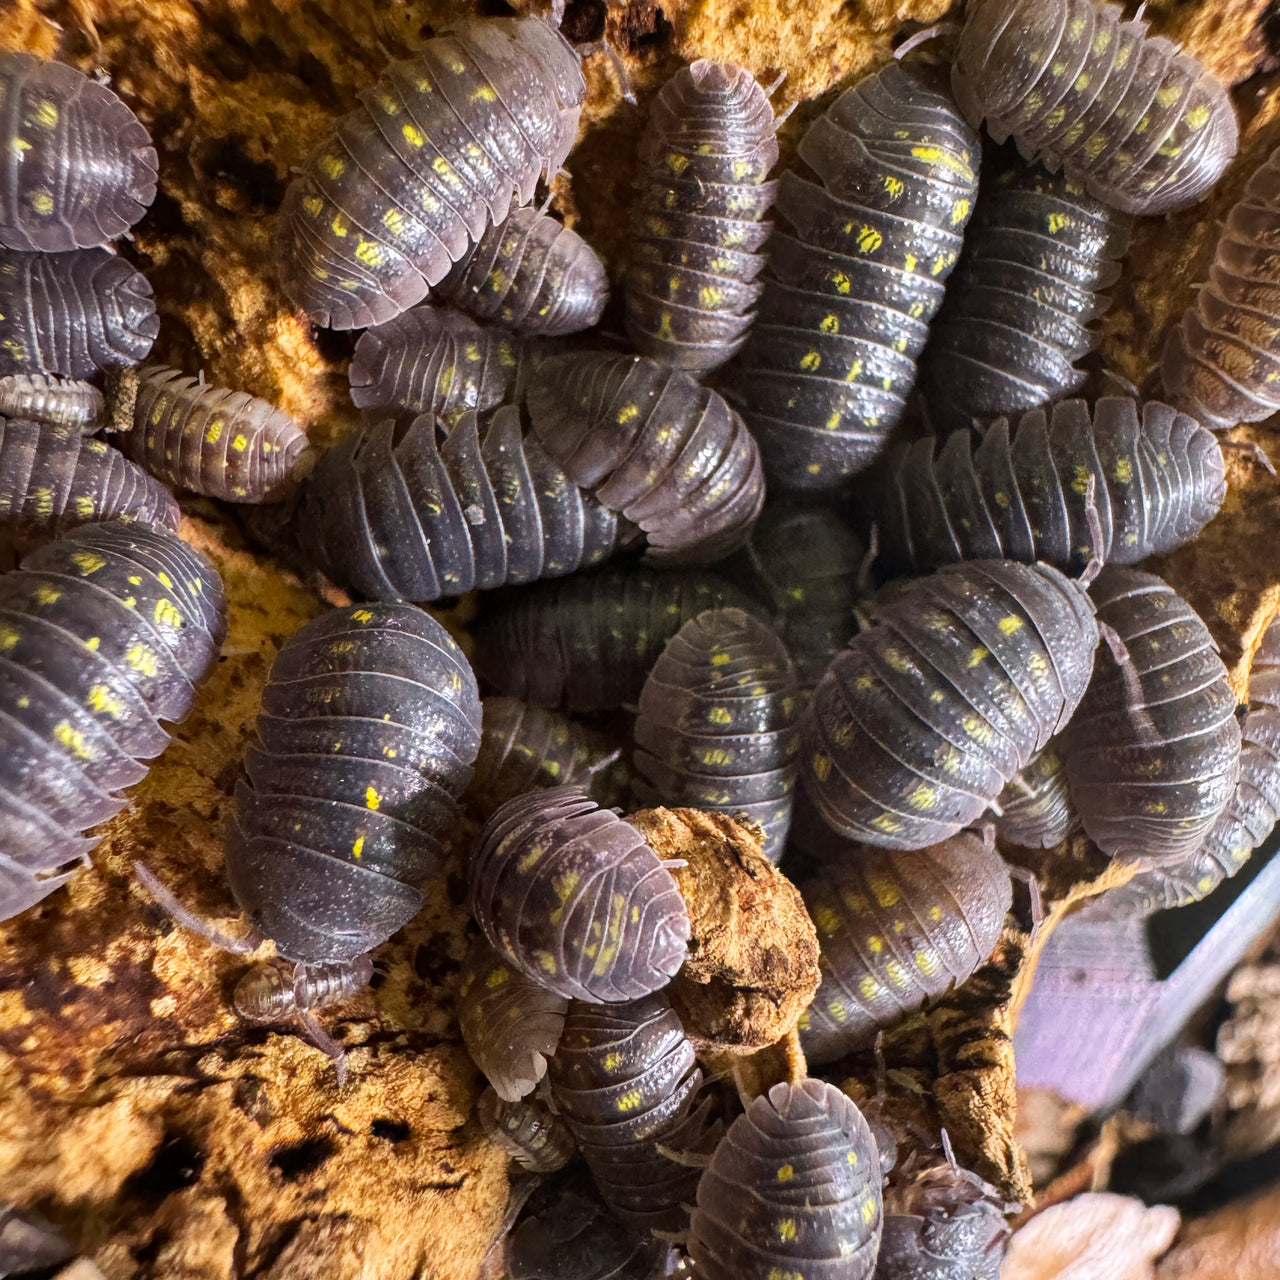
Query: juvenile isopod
(46, 398)
(1035, 810)
(528, 1131)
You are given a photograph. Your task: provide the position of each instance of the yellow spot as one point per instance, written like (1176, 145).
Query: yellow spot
(810, 361)
(869, 239)
(1057, 221)
(1010, 623)
(1123, 472)
(339, 226)
(896, 659)
(827, 921)
(88, 561)
(830, 323)
(1197, 117)
(393, 220)
(166, 614)
(927, 962)
(896, 973)
(313, 206)
(959, 212)
(720, 659)
(361, 615)
(710, 297)
(412, 135)
(1101, 40)
(840, 280)
(42, 202)
(1082, 81)
(785, 1173)
(894, 186)
(875, 944)
(910, 262)
(371, 798)
(720, 715)
(332, 166)
(977, 655)
(1167, 96)
(630, 1101)
(358, 848)
(868, 1209)
(72, 739)
(885, 891)
(821, 766)
(923, 797)
(869, 988)
(8, 638)
(102, 701)
(787, 1229)
(370, 253)
(142, 659)
(46, 114)
(84, 507)
(214, 433)
(677, 163)
(484, 94)
(45, 594)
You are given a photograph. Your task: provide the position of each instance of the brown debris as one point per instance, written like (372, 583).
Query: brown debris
(753, 953)
(1249, 1045)
(1241, 1240)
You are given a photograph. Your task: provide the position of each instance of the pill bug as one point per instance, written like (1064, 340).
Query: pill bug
(718, 727)
(524, 747)
(1019, 306)
(574, 1237)
(920, 722)
(625, 1082)
(390, 514)
(408, 181)
(1153, 753)
(1246, 821)
(370, 720)
(1144, 126)
(1221, 362)
(856, 270)
(528, 1131)
(942, 1223)
(530, 273)
(793, 1189)
(588, 643)
(804, 562)
(82, 167)
(53, 478)
(73, 313)
(698, 220)
(1034, 810)
(651, 443)
(434, 361)
(1023, 493)
(510, 1023)
(59, 402)
(897, 929)
(103, 633)
(214, 441)
(575, 898)
(276, 990)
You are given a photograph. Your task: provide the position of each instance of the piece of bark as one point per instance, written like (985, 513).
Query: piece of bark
(753, 952)
(1237, 1242)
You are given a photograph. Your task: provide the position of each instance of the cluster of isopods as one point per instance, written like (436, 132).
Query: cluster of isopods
(1023, 682)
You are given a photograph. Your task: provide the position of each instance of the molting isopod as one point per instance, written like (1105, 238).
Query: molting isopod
(51, 400)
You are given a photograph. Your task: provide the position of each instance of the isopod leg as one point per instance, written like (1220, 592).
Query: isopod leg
(165, 898)
(325, 1043)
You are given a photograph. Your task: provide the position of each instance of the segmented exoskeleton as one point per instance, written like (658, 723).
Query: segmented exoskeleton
(53, 478)
(438, 150)
(1024, 494)
(1222, 361)
(214, 441)
(897, 929)
(389, 514)
(103, 634)
(530, 273)
(525, 747)
(587, 644)
(1153, 753)
(625, 1082)
(1035, 810)
(528, 1131)
(920, 722)
(698, 223)
(44, 398)
(433, 361)
(73, 313)
(856, 271)
(1250, 814)
(792, 1190)
(575, 898)
(652, 444)
(1018, 310)
(370, 720)
(718, 727)
(510, 1023)
(80, 169)
(1146, 127)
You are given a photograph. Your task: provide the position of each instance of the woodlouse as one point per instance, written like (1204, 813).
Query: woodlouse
(103, 634)
(897, 929)
(1144, 126)
(53, 478)
(389, 514)
(408, 181)
(920, 722)
(528, 1131)
(278, 989)
(793, 1189)
(370, 720)
(525, 747)
(81, 167)
(510, 1023)
(530, 273)
(433, 361)
(718, 727)
(73, 313)
(856, 270)
(1024, 494)
(698, 221)
(652, 444)
(1019, 306)
(61, 402)
(214, 441)
(625, 1081)
(1222, 360)
(1153, 754)
(1035, 810)
(588, 643)
(575, 898)
(1250, 814)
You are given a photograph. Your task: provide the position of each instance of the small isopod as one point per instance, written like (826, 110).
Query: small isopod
(1035, 810)
(1144, 126)
(49, 399)
(698, 223)
(528, 1131)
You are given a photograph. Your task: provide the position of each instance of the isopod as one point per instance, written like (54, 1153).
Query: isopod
(44, 398)
(528, 1131)
(1035, 810)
